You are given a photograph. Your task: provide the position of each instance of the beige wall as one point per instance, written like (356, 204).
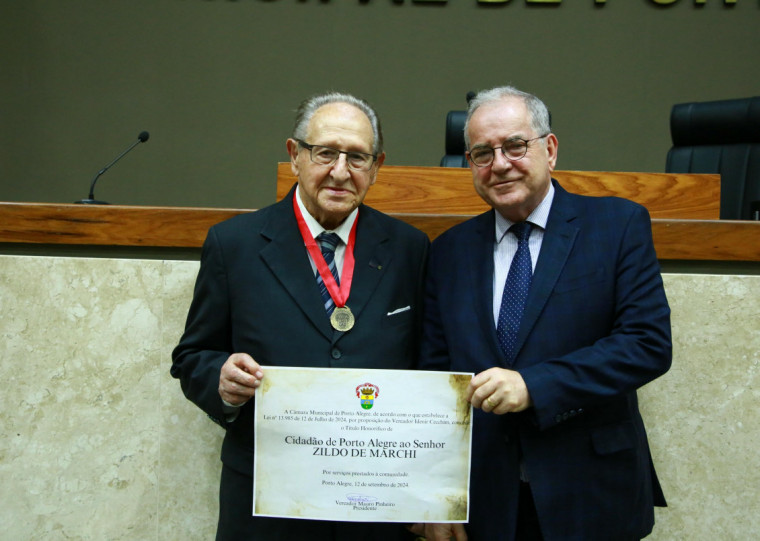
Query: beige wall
(97, 441)
(216, 82)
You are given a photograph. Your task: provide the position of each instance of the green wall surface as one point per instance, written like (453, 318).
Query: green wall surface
(216, 82)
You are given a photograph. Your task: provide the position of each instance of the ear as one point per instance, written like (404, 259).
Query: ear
(551, 149)
(376, 168)
(471, 165)
(292, 146)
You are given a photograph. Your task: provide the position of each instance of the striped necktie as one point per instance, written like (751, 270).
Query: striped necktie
(328, 242)
(515, 292)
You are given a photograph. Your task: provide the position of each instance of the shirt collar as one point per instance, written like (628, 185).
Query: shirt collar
(315, 228)
(539, 216)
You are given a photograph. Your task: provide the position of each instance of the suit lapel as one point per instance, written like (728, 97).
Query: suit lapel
(558, 242)
(372, 256)
(480, 257)
(286, 257)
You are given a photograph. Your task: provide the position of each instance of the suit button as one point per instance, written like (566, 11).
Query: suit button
(336, 353)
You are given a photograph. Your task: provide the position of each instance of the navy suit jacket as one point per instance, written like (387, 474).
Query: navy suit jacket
(256, 294)
(595, 329)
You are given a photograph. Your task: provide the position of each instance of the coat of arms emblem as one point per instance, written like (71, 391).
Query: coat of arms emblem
(367, 392)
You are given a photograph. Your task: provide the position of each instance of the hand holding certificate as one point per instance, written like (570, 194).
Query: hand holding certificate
(362, 445)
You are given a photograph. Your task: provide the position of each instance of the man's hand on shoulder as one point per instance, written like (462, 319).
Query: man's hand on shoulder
(239, 379)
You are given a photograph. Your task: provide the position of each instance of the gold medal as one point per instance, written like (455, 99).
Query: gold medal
(342, 319)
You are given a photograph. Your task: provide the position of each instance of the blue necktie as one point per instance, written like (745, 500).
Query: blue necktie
(515, 292)
(328, 242)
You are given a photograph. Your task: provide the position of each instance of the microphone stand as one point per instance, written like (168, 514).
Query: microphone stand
(91, 197)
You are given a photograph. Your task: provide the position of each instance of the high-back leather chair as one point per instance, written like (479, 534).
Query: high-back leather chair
(454, 156)
(455, 148)
(721, 137)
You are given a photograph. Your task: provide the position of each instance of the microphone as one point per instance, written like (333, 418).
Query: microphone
(91, 197)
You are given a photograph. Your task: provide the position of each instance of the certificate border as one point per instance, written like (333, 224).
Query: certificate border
(459, 509)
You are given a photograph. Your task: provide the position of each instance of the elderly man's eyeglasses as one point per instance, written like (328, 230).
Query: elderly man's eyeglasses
(513, 149)
(358, 161)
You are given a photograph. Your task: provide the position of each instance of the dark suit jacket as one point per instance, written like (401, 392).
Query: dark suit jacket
(256, 293)
(595, 329)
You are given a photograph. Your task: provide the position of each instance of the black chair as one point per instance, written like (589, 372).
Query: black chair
(455, 148)
(721, 137)
(455, 140)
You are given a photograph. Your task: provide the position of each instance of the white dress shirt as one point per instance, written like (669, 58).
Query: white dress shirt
(505, 246)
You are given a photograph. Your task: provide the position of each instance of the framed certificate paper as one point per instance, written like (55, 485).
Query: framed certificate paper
(362, 445)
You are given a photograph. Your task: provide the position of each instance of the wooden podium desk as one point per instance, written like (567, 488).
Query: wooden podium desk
(684, 210)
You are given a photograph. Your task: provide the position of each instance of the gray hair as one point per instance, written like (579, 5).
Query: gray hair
(308, 107)
(540, 118)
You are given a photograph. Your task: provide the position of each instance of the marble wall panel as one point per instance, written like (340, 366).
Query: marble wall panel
(190, 442)
(98, 442)
(96, 439)
(702, 416)
(80, 398)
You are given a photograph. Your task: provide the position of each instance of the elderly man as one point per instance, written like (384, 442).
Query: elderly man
(267, 295)
(556, 302)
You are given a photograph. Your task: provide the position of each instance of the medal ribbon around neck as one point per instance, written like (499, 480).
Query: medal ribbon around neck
(338, 295)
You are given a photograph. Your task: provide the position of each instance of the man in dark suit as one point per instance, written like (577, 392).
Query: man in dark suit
(561, 325)
(272, 290)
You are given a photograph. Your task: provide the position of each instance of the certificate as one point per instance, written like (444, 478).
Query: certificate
(362, 445)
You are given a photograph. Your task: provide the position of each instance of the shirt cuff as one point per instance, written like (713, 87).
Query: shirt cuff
(231, 411)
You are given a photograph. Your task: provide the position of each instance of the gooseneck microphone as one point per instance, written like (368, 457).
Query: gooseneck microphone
(91, 198)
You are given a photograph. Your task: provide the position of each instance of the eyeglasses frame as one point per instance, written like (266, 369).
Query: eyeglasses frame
(501, 147)
(309, 147)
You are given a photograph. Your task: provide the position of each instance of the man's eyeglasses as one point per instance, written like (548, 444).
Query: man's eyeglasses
(358, 161)
(513, 149)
